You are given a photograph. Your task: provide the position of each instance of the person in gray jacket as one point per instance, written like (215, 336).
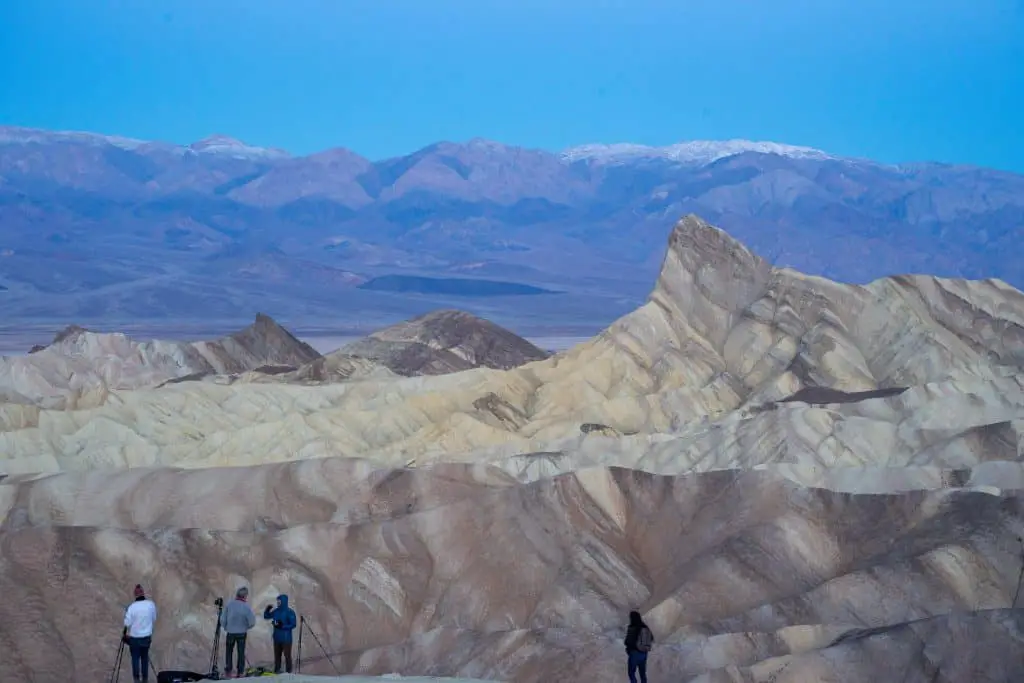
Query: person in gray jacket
(236, 620)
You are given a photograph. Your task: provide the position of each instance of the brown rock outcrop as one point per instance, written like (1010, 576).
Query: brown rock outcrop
(445, 341)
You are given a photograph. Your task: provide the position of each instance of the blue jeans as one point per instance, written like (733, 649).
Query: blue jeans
(139, 648)
(637, 660)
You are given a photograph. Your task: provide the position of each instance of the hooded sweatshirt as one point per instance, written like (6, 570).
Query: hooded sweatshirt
(632, 639)
(283, 618)
(237, 617)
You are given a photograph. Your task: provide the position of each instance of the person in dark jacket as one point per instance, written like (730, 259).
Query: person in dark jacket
(638, 642)
(283, 618)
(236, 620)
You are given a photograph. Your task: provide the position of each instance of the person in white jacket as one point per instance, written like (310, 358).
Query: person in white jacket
(138, 633)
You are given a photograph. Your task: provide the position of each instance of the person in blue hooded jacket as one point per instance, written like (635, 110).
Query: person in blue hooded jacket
(283, 618)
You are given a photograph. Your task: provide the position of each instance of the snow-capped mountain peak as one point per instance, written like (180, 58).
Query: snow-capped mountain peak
(16, 135)
(228, 146)
(215, 144)
(695, 151)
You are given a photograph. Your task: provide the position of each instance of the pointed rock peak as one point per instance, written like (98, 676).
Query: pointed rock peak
(446, 327)
(707, 241)
(445, 341)
(264, 321)
(69, 332)
(443, 324)
(705, 262)
(275, 343)
(268, 327)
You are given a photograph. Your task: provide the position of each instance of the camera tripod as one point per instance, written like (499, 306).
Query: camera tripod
(215, 651)
(115, 674)
(304, 626)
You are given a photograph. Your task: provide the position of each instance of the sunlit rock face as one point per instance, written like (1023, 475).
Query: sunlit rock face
(791, 478)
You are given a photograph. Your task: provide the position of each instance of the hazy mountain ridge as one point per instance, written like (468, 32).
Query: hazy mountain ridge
(186, 231)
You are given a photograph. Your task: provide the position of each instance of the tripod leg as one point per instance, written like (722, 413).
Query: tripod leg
(323, 649)
(215, 652)
(115, 674)
(298, 658)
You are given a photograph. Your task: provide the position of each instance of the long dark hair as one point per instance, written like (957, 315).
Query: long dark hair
(635, 620)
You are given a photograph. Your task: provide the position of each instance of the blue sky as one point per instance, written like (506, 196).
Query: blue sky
(895, 80)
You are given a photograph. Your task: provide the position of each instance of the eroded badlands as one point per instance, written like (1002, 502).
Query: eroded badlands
(791, 478)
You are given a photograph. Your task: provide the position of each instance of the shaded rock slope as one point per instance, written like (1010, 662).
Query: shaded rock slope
(444, 341)
(793, 479)
(437, 343)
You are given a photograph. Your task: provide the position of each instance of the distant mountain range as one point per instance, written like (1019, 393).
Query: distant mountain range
(97, 229)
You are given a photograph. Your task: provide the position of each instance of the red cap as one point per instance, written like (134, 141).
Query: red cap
(138, 590)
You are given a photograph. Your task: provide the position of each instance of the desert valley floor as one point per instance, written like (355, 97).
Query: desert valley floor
(794, 480)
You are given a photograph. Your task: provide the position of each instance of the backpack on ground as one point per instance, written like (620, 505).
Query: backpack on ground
(644, 640)
(254, 671)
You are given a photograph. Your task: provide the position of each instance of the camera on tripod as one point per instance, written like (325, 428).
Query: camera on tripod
(219, 602)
